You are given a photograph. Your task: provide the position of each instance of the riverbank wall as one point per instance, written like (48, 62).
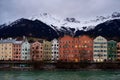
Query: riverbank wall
(38, 65)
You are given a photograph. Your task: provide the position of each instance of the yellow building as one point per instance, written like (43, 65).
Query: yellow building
(47, 50)
(6, 49)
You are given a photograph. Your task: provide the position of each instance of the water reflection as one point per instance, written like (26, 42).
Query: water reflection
(60, 75)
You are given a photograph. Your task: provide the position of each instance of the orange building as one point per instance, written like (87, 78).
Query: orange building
(37, 51)
(17, 50)
(75, 49)
(66, 49)
(86, 48)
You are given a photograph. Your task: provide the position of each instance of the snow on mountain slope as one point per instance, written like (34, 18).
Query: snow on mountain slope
(48, 19)
(74, 22)
(100, 19)
(57, 23)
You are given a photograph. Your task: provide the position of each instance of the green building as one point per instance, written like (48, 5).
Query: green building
(112, 50)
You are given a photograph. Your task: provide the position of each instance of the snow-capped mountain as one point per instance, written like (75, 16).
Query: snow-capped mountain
(50, 27)
(48, 19)
(74, 22)
(109, 29)
(57, 23)
(29, 28)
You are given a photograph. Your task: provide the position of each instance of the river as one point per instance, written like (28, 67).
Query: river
(60, 75)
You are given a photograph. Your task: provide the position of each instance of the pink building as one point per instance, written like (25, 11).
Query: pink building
(37, 51)
(17, 50)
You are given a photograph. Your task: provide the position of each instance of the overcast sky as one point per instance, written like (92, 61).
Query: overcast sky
(11, 10)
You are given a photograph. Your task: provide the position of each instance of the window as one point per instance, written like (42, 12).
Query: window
(5, 48)
(33, 52)
(105, 51)
(32, 47)
(37, 47)
(37, 56)
(25, 49)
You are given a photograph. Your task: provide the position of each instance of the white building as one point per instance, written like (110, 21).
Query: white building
(25, 50)
(55, 50)
(99, 49)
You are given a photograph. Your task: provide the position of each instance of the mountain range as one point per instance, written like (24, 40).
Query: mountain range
(49, 27)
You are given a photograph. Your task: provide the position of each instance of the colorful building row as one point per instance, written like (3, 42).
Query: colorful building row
(84, 48)
(67, 48)
(11, 49)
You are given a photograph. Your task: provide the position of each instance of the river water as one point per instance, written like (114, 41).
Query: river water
(60, 75)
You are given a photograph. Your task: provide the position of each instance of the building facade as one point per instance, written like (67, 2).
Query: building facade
(112, 50)
(6, 49)
(118, 51)
(99, 49)
(76, 49)
(17, 50)
(86, 48)
(66, 49)
(25, 50)
(55, 50)
(47, 50)
(37, 51)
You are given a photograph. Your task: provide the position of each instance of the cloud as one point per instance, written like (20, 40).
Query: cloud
(13, 9)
